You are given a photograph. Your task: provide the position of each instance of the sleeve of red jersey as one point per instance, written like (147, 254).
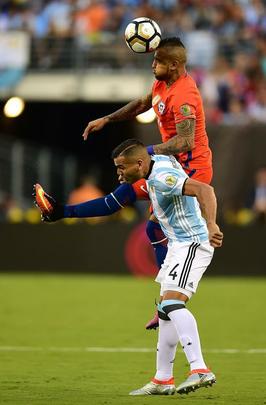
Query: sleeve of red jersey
(184, 106)
(140, 189)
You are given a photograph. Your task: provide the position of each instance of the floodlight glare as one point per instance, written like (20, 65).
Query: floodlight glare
(14, 107)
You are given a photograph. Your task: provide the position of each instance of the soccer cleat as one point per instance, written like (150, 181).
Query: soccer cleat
(197, 379)
(50, 209)
(156, 387)
(41, 200)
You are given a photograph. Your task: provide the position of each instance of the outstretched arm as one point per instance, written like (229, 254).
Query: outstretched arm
(182, 142)
(127, 112)
(208, 205)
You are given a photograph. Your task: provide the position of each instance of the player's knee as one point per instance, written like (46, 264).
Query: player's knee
(154, 232)
(172, 305)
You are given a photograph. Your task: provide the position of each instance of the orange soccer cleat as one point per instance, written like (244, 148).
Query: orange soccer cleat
(42, 200)
(50, 209)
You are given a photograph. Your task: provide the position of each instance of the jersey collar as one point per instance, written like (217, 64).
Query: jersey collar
(150, 169)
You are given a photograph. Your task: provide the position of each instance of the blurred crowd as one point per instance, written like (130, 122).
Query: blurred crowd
(227, 40)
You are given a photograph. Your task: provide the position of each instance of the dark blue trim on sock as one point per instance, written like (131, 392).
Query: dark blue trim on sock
(155, 234)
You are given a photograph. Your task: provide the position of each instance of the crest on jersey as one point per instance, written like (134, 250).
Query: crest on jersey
(171, 180)
(161, 107)
(185, 110)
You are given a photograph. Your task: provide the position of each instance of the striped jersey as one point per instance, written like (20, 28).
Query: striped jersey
(179, 215)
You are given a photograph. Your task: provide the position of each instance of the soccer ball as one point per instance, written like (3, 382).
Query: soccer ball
(142, 35)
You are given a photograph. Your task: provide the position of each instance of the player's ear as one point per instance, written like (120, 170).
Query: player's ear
(174, 65)
(140, 163)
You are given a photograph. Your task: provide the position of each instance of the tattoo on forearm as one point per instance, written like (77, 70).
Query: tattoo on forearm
(132, 109)
(182, 142)
(186, 128)
(168, 148)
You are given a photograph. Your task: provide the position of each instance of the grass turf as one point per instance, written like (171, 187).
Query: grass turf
(42, 315)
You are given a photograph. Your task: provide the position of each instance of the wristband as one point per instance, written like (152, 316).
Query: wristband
(150, 150)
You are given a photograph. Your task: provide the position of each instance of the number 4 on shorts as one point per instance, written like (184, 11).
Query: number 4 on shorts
(173, 273)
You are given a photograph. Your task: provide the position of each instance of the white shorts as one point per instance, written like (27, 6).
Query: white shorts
(184, 266)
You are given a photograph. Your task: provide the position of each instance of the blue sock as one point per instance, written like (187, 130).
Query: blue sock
(158, 241)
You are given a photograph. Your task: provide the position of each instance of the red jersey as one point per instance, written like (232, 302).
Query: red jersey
(172, 105)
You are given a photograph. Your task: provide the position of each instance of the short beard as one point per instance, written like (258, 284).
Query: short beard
(160, 78)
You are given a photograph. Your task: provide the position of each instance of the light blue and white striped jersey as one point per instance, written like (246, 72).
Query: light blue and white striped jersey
(179, 215)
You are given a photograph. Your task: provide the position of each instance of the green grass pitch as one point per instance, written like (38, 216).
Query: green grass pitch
(48, 321)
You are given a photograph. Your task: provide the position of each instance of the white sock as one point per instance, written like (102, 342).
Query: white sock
(166, 348)
(186, 327)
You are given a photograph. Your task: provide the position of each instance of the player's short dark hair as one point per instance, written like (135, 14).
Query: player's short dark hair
(171, 42)
(126, 148)
(175, 49)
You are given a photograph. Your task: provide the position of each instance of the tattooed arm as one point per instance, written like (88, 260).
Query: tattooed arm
(127, 112)
(182, 142)
(131, 109)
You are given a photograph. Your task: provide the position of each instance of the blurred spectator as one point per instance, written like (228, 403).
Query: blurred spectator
(215, 89)
(261, 46)
(54, 33)
(236, 114)
(17, 16)
(91, 20)
(58, 14)
(254, 14)
(259, 205)
(202, 48)
(87, 190)
(257, 109)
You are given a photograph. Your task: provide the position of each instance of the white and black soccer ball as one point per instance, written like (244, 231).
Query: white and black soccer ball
(143, 35)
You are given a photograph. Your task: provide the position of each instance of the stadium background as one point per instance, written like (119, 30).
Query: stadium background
(68, 61)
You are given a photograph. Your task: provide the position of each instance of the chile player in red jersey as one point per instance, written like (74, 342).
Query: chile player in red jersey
(178, 105)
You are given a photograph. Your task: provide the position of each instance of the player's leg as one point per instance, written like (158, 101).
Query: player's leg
(163, 381)
(186, 327)
(158, 240)
(179, 283)
(166, 347)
